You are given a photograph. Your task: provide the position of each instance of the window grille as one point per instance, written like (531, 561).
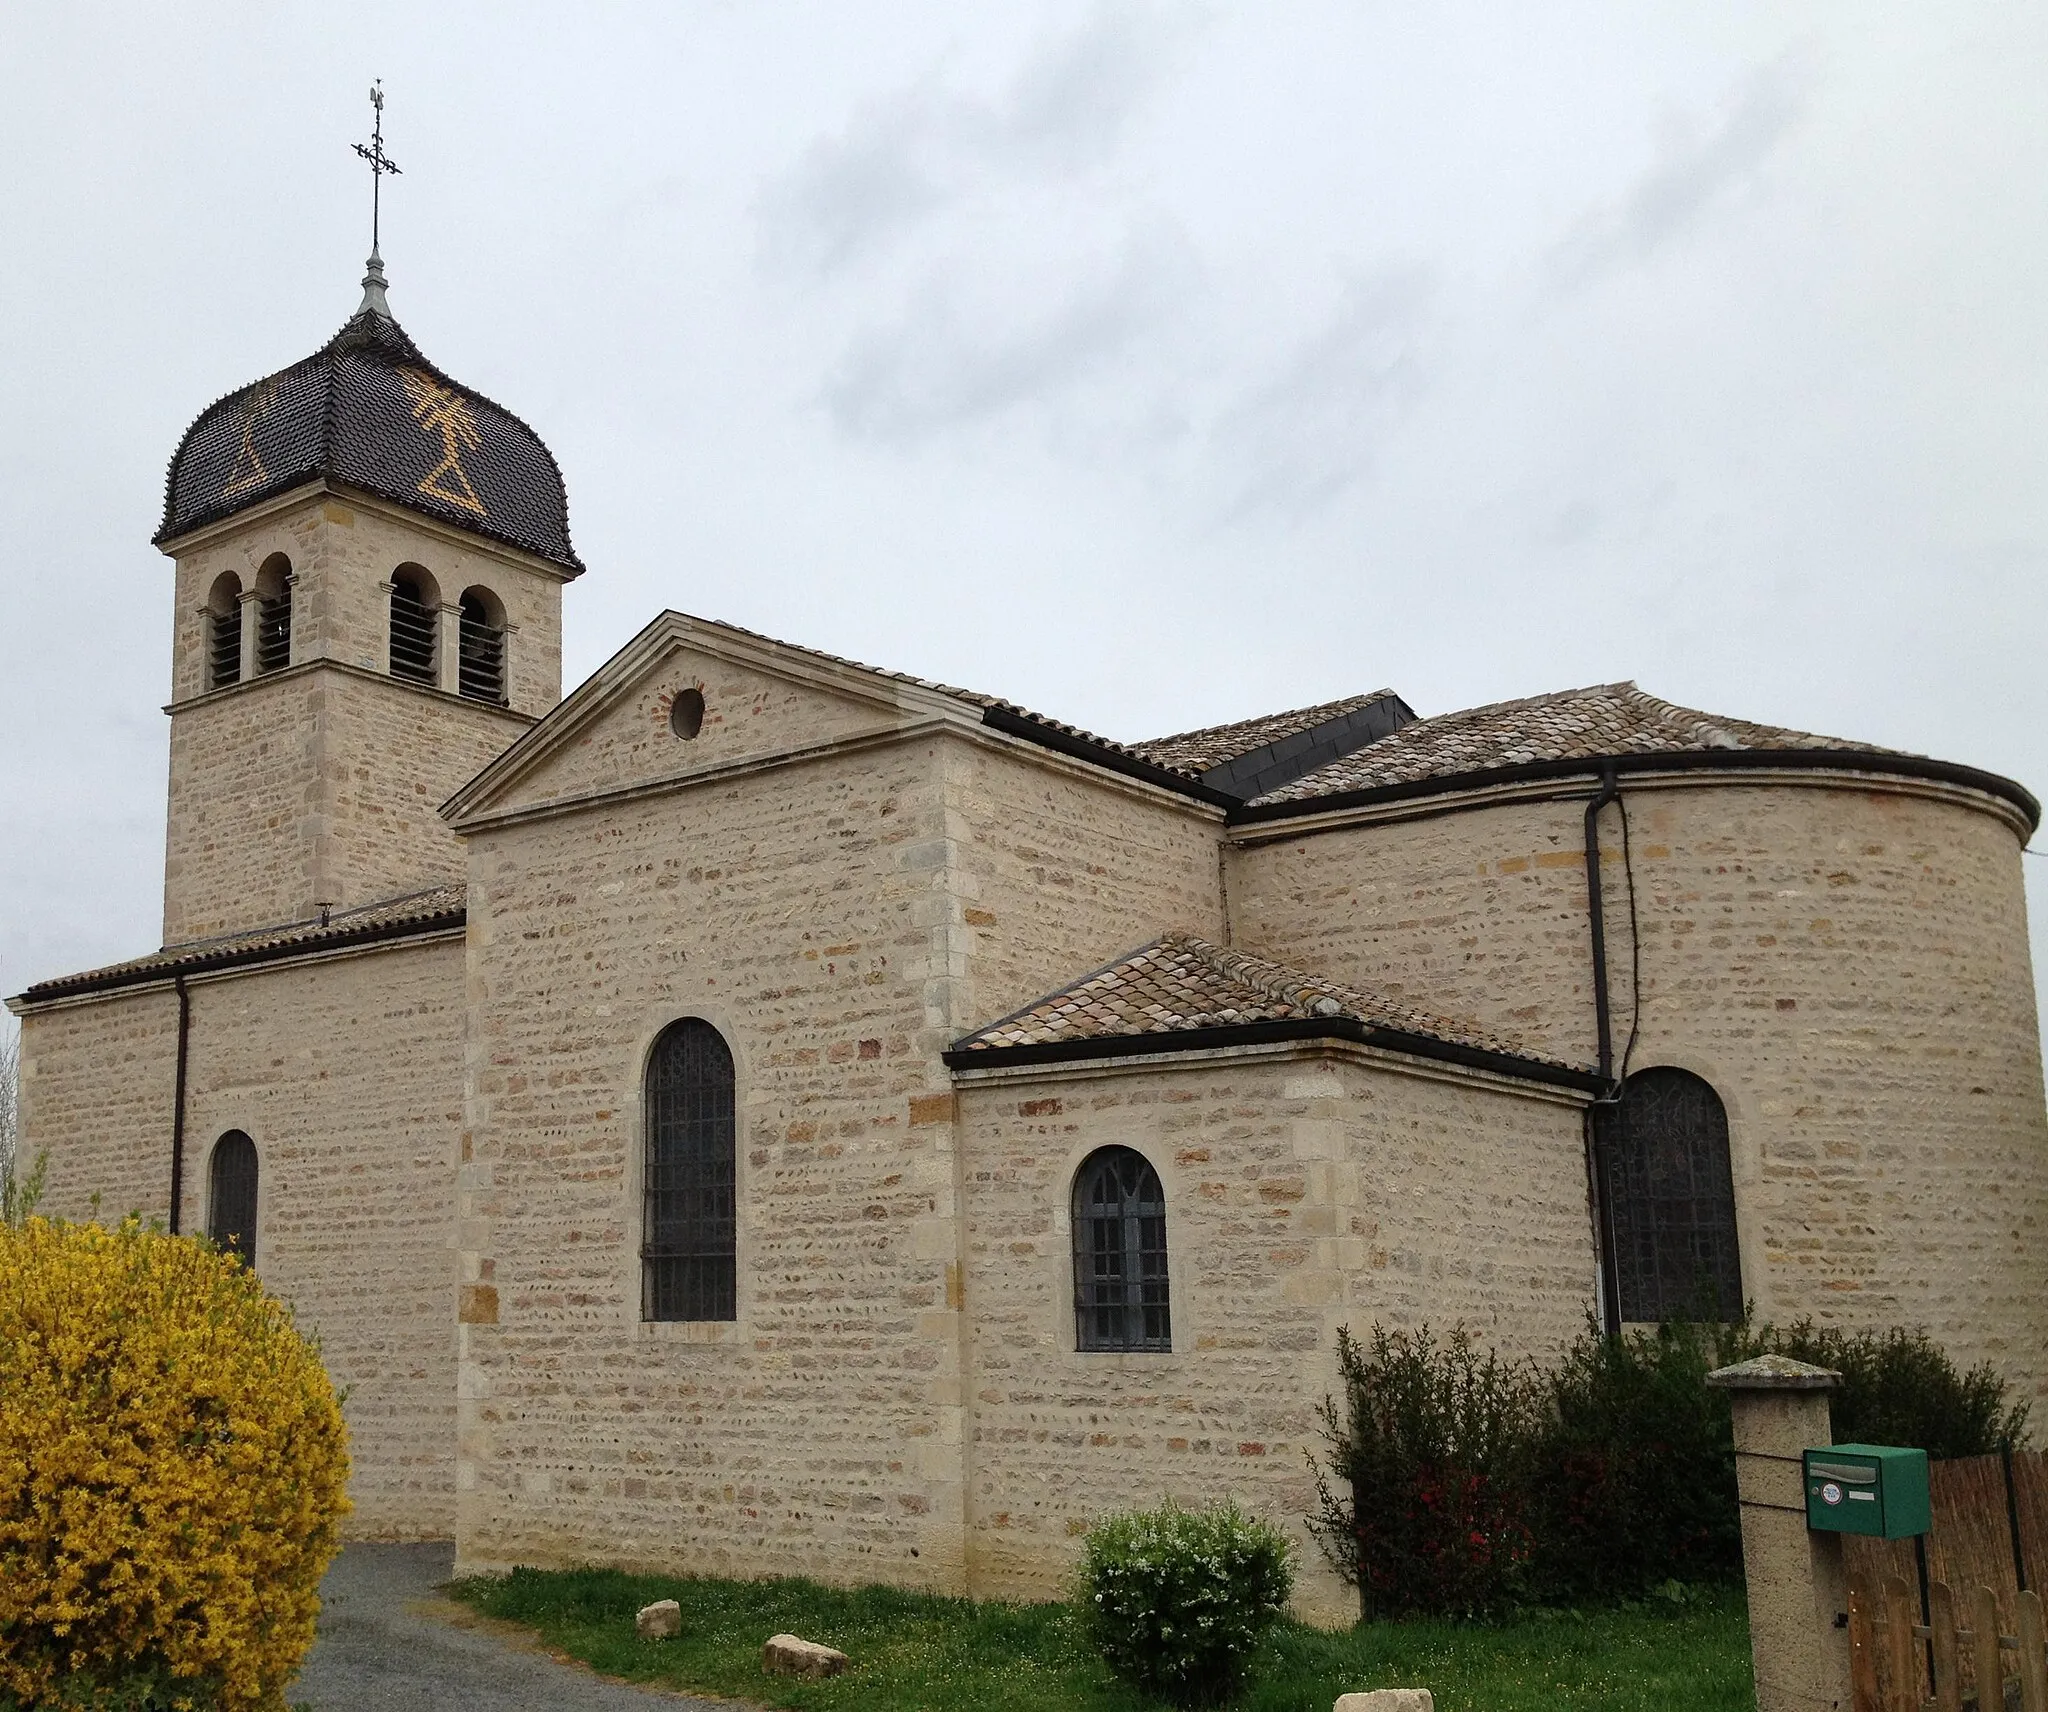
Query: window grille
(688, 1266)
(481, 660)
(274, 632)
(1120, 1277)
(412, 635)
(223, 649)
(231, 1198)
(1670, 1197)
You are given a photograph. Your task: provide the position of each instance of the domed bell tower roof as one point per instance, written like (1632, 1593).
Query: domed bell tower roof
(369, 411)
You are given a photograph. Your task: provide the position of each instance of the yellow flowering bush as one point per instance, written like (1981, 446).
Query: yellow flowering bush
(173, 1468)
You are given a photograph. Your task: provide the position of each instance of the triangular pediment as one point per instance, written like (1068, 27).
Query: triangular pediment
(688, 698)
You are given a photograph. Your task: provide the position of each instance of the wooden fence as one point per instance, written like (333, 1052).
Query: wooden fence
(1971, 1545)
(1899, 1664)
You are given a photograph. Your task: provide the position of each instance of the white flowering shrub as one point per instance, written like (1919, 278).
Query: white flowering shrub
(1177, 1600)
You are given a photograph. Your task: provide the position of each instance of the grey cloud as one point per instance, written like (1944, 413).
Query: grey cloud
(1316, 425)
(1674, 193)
(906, 158)
(948, 363)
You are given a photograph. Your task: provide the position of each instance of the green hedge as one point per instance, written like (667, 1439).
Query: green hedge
(1456, 1484)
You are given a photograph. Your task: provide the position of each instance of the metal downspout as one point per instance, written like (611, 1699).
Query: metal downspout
(178, 1106)
(1603, 1019)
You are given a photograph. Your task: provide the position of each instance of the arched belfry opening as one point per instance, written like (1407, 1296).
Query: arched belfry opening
(481, 647)
(274, 614)
(224, 632)
(415, 620)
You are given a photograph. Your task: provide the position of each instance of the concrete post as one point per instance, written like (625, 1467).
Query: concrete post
(1798, 1599)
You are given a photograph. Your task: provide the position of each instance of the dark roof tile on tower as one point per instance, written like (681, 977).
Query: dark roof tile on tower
(1213, 745)
(369, 411)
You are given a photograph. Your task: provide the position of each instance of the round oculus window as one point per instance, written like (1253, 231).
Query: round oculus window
(686, 716)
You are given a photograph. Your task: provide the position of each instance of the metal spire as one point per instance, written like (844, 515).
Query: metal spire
(380, 163)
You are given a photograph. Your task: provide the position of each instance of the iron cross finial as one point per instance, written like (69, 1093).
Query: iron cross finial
(380, 162)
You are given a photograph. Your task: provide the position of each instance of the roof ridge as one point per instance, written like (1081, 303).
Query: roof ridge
(1327, 709)
(1276, 981)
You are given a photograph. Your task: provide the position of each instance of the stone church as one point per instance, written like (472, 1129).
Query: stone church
(761, 1113)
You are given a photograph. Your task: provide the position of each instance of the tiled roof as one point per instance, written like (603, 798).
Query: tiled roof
(1584, 724)
(1180, 983)
(389, 918)
(369, 410)
(1198, 751)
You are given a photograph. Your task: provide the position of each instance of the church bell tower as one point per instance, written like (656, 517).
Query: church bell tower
(370, 559)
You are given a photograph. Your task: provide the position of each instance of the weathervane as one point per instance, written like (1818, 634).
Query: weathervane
(380, 163)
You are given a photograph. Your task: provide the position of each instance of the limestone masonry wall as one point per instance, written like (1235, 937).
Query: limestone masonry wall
(1059, 872)
(1848, 967)
(98, 1082)
(747, 714)
(347, 1075)
(1304, 1192)
(803, 912)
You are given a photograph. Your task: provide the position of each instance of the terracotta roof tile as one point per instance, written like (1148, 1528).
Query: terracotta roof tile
(1180, 982)
(389, 916)
(1582, 724)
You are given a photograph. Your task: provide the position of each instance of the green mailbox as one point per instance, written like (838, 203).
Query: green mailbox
(1868, 1489)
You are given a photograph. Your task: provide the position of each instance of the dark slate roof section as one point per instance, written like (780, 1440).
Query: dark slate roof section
(1180, 993)
(1217, 745)
(437, 909)
(369, 411)
(1287, 758)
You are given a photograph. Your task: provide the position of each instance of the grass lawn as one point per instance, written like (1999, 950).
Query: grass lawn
(913, 1651)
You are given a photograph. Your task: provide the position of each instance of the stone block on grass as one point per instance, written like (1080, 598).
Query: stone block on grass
(1387, 1700)
(661, 1621)
(786, 1655)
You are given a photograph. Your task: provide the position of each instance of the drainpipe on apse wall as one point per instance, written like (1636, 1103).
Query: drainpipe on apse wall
(1603, 1019)
(178, 1107)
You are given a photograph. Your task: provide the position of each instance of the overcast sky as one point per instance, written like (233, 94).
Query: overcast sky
(1149, 365)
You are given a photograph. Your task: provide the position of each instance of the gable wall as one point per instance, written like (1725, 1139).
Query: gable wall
(1303, 1194)
(1849, 968)
(748, 714)
(803, 911)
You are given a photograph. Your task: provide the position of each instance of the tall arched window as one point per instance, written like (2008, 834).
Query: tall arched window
(688, 1269)
(231, 1196)
(1670, 1196)
(481, 656)
(415, 616)
(224, 632)
(1120, 1280)
(274, 614)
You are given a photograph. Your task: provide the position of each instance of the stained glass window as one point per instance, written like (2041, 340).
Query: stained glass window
(687, 1249)
(1670, 1195)
(231, 1196)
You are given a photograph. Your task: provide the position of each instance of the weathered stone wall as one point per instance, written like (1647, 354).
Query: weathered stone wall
(799, 910)
(1848, 967)
(310, 785)
(1061, 870)
(347, 1075)
(1305, 1191)
(98, 1081)
(342, 554)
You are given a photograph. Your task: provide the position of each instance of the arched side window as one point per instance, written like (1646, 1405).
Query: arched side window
(274, 614)
(224, 632)
(415, 616)
(231, 1196)
(1670, 1196)
(687, 1260)
(481, 656)
(1120, 1278)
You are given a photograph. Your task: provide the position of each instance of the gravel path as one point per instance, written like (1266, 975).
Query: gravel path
(387, 1643)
